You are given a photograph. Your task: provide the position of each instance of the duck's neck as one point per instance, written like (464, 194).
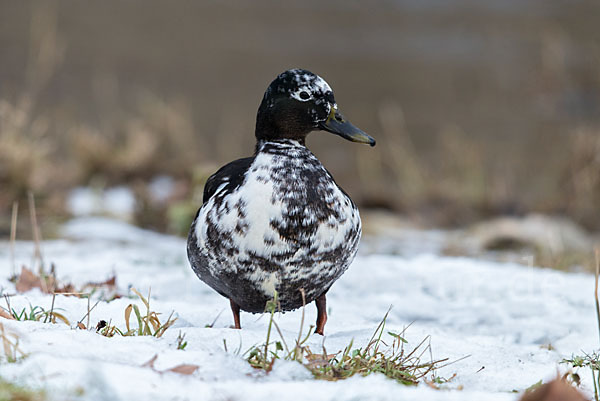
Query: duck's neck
(276, 123)
(261, 143)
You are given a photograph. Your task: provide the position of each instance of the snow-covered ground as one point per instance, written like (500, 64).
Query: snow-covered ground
(504, 317)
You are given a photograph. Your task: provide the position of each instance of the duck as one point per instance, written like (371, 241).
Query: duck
(276, 225)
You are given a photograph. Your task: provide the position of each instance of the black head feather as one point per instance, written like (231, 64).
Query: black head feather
(293, 105)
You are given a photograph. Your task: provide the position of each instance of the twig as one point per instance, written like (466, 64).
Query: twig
(37, 237)
(596, 288)
(379, 327)
(13, 236)
(8, 303)
(287, 351)
(411, 353)
(270, 326)
(148, 311)
(215, 320)
(88, 313)
(51, 308)
(297, 347)
(595, 385)
(452, 362)
(80, 294)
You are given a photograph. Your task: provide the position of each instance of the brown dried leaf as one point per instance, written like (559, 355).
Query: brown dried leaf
(60, 316)
(154, 321)
(28, 280)
(144, 300)
(69, 289)
(184, 369)
(432, 385)
(128, 315)
(6, 315)
(319, 357)
(164, 328)
(556, 390)
(109, 285)
(111, 282)
(150, 363)
(81, 326)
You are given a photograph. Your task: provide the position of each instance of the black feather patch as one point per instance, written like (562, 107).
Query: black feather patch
(277, 221)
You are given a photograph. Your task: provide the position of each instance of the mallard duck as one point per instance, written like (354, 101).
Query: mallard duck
(277, 222)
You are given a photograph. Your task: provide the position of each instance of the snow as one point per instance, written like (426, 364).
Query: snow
(117, 202)
(161, 188)
(502, 316)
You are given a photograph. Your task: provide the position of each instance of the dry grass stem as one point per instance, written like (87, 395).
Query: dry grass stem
(37, 236)
(148, 324)
(393, 360)
(596, 288)
(13, 237)
(590, 361)
(10, 344)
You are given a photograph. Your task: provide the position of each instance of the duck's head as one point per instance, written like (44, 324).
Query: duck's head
(298, 102)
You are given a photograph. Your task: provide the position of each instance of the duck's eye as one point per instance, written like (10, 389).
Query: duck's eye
(304, 95)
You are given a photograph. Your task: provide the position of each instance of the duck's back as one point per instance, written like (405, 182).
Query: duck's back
(277, 221)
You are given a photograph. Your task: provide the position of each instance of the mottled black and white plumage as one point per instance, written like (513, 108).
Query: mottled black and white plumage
(277, 221)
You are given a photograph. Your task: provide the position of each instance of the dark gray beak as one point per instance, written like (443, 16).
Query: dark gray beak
(337, 124)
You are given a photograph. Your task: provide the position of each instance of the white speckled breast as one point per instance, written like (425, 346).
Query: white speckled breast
(287, 226)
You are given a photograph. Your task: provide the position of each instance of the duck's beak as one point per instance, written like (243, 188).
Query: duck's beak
(336, 123)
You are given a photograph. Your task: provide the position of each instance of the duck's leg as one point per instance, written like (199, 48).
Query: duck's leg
(321, 314)
(236, 314)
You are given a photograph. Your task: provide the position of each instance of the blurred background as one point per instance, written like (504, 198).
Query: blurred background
(479, 108)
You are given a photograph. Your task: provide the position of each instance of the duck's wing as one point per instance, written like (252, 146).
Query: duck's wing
(231, 175)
